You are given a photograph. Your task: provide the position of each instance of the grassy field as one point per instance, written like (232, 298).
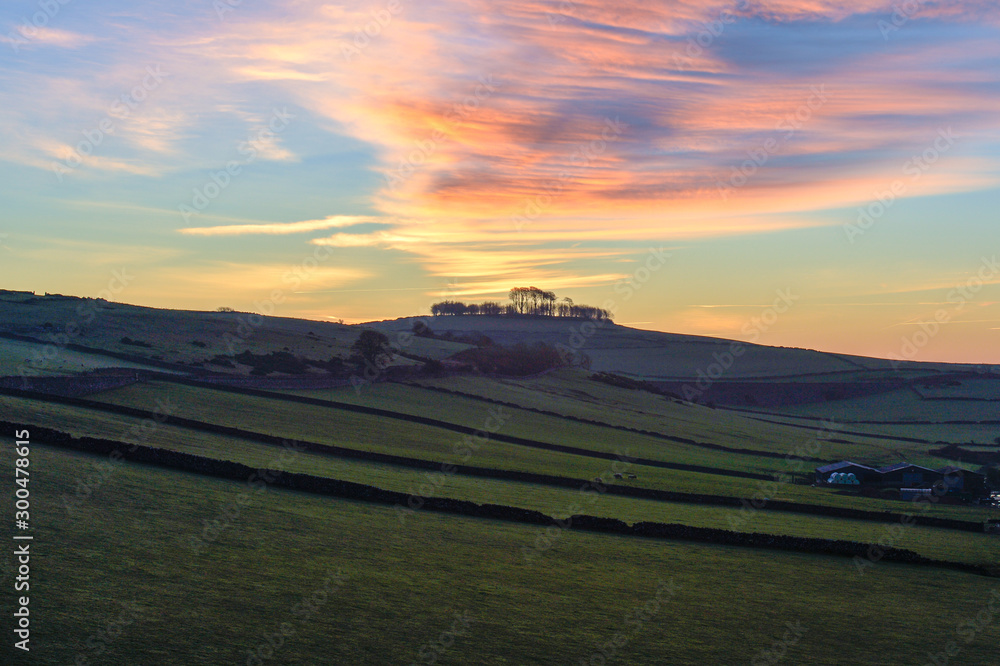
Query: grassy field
(901, 405)
(555, 501)
(568, 392)
(320, 423)
(384, 591)
(362, 432)
(17, 356)
(982, 434)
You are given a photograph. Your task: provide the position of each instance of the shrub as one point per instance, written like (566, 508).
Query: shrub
(517, 360)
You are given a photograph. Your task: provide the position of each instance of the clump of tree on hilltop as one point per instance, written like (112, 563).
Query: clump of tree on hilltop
(524, 301)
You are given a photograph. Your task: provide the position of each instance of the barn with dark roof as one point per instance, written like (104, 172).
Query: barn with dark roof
(908, 475)
(864, 474)
(963, 481)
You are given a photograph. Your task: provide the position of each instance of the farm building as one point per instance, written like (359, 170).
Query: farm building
(914, 479)
(908, 475)
(960, 480)
(840, 473)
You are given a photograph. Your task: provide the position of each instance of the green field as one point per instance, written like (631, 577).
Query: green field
(556, 501)
(570, 393)
(124, 554)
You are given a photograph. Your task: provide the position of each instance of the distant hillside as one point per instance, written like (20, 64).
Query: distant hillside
(656, 355)
(195, 339)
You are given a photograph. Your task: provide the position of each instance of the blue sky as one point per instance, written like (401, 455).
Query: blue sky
(464, 147)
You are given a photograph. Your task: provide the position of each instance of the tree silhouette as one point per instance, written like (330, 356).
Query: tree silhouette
(524, 301)
(372, 346)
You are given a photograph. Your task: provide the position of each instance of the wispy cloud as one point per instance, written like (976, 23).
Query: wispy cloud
(46, 36)
(281, 228)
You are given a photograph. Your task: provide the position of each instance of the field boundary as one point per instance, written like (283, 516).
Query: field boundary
(187, 462)
(371, 411)
(468, 430)
(603, 424)
(634, 492)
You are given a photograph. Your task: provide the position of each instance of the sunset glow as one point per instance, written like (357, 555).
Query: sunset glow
(391, 152)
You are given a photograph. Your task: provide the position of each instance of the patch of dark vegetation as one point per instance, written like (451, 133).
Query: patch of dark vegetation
(135, 343)
(517, 360)
(773, 394)
(265, 364)
(221, 361)
(334, 365)
(433, 368)
(104, 379)
(956, 452)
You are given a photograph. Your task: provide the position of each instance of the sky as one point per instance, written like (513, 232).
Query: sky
(811, 173)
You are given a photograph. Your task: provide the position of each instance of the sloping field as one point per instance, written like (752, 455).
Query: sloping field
(179, 336)
(18, 358)
(383, 592)
(569, 393)
(900, 406)
(904, 413)
(560, 502)
(414, 476)
(284, 418)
